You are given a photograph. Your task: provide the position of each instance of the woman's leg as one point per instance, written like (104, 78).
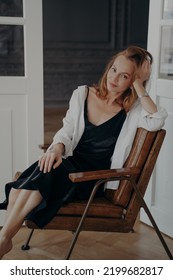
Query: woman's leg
(26, 201)
(14, 193)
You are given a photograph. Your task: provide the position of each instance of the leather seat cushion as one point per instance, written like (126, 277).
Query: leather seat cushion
(100, 207)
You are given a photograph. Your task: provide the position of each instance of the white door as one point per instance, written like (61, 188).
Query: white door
(21, 87)
(160, 44)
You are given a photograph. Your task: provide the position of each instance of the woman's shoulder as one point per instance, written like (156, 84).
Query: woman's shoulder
(86, 88)
(82, 91)
(79, 95)
(81, 88)
(92, 90)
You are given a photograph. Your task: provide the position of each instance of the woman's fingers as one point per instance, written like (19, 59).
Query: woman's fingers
(49, 160)
(57, 163)
(146, 69)
(143, 72)
(41, 162)
(46, 162)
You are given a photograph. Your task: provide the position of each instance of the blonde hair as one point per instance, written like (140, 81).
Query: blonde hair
(138, 56)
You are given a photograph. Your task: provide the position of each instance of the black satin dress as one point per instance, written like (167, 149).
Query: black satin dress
(93, 152)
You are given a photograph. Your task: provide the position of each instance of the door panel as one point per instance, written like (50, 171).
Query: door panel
(21, 92)
(159, 196)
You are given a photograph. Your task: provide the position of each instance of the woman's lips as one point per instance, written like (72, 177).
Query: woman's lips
(112, 85)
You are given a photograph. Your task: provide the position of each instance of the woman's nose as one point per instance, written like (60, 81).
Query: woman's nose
(116, 78)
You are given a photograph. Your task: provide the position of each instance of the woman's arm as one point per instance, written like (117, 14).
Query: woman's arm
(61, 143)
(141, 76)
(152, 117)
(67, 137)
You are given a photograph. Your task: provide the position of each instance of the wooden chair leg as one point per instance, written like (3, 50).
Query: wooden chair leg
(144, 205)
(76, 233)
(26, 245)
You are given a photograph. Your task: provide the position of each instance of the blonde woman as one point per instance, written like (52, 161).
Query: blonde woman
(97, 133)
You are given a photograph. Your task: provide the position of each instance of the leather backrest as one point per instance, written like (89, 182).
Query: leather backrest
(140, 149)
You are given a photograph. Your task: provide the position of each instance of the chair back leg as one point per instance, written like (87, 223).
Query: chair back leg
(144, 205)
(26, 245)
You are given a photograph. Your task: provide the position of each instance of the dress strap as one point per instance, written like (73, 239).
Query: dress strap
(87, 92)
(85, 107)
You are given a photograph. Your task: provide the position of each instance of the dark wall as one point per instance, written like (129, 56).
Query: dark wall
(81, 35)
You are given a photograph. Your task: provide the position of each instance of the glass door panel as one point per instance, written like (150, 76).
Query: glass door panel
(11, 50)
(11, 8)
(168, 9)
(166, 54)
(11, 38)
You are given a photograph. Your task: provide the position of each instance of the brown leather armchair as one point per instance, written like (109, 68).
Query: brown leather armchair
(118, 209)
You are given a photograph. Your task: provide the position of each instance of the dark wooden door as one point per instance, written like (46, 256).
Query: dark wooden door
(79, 38)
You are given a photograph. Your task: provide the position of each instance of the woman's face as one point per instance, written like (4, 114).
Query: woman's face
(121, 75)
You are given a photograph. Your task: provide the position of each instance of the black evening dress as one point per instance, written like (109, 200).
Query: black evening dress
(93, 152)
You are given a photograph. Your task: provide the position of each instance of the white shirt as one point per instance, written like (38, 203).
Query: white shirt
(73, 128)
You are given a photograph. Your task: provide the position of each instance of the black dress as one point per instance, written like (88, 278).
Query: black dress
(93, 152)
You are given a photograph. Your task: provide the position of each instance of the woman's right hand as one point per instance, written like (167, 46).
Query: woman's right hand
(52, 158)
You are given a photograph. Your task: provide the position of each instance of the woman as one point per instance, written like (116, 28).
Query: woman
(97, 133)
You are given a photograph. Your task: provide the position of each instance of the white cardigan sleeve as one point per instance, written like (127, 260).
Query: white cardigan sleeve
(73, 123)
(153, 122)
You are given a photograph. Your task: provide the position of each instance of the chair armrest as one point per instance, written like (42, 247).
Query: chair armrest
(104, 174)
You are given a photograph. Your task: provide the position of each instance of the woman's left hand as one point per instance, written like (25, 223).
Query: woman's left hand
(143, 72)
(142, 75)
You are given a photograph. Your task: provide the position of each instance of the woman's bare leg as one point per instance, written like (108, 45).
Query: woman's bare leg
(14, 193)
(26, 201)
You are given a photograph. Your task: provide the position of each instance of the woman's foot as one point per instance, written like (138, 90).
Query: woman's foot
(5, 247)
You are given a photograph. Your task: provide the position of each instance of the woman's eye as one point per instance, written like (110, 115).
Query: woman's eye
(124, 76)
(114, 69)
